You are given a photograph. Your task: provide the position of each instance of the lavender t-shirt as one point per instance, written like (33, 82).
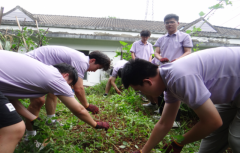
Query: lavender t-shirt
(52, 55)
(172, 46)
(25, 77)
(117, 66)
(142, 51)
(211, 73)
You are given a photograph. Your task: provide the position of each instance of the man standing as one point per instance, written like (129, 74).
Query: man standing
(142, 49)
(170, 47)
(52, 55)
(200, 80)
(24, 77)
(175, 44)
(116, 71)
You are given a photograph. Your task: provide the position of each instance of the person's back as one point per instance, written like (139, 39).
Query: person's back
(18, 78)
(52, 55)
(207, 73)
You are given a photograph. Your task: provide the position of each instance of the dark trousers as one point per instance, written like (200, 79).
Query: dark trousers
(161, 104)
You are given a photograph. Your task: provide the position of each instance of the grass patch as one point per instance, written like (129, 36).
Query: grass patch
(130, 127)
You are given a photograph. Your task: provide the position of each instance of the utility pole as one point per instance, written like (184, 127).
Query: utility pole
(146, 13)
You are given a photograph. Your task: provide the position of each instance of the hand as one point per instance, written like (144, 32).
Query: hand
(92, 108)
(174, 147)
(173, 60)
(37, 119)
(102, 125)
(163, 60)
(137, 151)
(119, 92)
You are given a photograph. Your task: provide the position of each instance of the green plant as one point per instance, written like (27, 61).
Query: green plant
(14, 40)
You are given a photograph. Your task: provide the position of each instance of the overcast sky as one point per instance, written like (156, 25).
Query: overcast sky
(188, 10)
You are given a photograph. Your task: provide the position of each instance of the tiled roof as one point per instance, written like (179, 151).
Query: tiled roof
(113, 24)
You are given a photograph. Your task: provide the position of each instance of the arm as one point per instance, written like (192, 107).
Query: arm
(80, 92)
(187, 51)
(22, 110)
(150, 58)
(210, 121)
(133, 55)
(77, 109)
(114, 85)
(157, 53)
(163, 126)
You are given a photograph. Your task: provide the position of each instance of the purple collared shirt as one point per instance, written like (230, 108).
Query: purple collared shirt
(142, 51)
(172, 46)
(211, 73)
(117, 66)
(52, 55)
(25, 77)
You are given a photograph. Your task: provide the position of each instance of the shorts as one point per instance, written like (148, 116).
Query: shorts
(8, 114)
(111, 71)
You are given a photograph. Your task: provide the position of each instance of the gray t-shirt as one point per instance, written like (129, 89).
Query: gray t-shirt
(25, 77)
(52, 55)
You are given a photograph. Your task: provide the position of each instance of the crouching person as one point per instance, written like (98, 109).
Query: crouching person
(29, 78)
(12, 127)
(116, 71)
(200, 80)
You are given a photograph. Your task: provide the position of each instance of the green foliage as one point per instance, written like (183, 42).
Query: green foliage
(13, 41)
(112, 17)
(130, 126)
(126, 51)
(99, 89)
(201, 13)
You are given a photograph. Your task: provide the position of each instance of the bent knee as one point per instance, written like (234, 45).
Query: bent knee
(52, 96)
(37, 102)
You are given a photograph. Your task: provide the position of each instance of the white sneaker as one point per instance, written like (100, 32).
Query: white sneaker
(156, 117)
(176, 124)
(156, 111)
(144, 99)
(149, 105)
(54, 123)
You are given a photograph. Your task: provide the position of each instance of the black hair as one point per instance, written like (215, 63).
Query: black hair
(170, 16)
(66, 68)
(101, 59)
(135, 71)
(145, 33)
(119, 72)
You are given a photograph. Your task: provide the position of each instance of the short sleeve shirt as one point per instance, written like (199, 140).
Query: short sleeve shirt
(172, 46)
(142, 51)
(52, 55)
(25, 77)
(211, 73)
(120, 64)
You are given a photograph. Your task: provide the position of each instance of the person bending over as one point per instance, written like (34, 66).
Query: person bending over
(116, 71)
(199, 80)
(52, 55)
(29, 78)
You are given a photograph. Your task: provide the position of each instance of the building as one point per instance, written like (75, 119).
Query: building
(88, 33)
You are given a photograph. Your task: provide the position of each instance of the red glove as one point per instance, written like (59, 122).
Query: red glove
(173, 60)
(137, 151)
(92, 108)
(177, 148)
(163, 60)
(102, 125)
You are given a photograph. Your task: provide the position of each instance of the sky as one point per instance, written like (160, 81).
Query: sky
(187, 10)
